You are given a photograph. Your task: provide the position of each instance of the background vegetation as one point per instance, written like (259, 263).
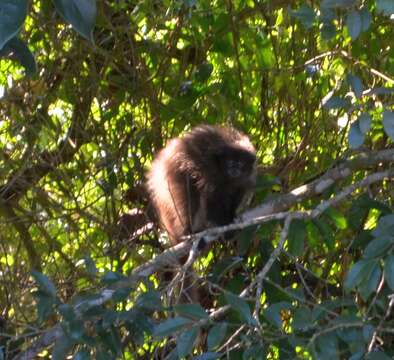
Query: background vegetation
(90, 90)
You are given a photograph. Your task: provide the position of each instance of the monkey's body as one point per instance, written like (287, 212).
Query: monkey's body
(200, 180)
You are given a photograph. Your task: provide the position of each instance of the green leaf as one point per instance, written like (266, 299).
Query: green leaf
(185, 341)
(44, 283)
(305, 15)
(378, 247)
(302, 319)
(359, 272)
(364, 122)
(75, 330)
(45, 305)
(328, 346)
(369, 285)
(62, 346)
(354, 24)
(297, 235)
(149, 300)
(22, 53)
(385, 226)
(265, 54)
(239, 305)
(216, 335)
(386, 6)
(389, 271)
(378, 355)
(82, 355)
(314, 238)
(326, 232)
(338, 218)
(81, 14)
(208, 356)
(356, 137)
(335, 102)
(169, 326)
(203, 72)
(193, 311)
(328, 31)
(388, 123)
(272, 314)
(111, 277)
(337, 3)
(356, 84)
(12, 17)
(90, 265)
(366, 18)
(67, 311)
(254, 352)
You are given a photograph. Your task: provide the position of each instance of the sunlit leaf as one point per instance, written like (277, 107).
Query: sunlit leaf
(337, 217)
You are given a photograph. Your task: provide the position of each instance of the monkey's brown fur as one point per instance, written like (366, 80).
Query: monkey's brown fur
(200, 180)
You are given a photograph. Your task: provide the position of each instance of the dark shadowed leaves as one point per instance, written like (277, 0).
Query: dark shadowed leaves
(355, 137)
(358, 273)
(169, 326)
(239, 305)
(81, 14)
(12, 16)
(356, 84)
(44, 283)
(305, 15)
(297, 235)
(216, 335)
(354, 24)
(389, 271)
(185, 341)
(193, 311)
(388, 123)
(386, 6)
(337, 3)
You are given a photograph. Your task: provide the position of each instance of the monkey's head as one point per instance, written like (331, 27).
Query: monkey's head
(237, 164)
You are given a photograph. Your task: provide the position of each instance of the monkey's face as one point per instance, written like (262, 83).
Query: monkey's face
(236, 164)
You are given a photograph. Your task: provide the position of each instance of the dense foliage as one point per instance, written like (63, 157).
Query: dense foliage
(90, 90)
